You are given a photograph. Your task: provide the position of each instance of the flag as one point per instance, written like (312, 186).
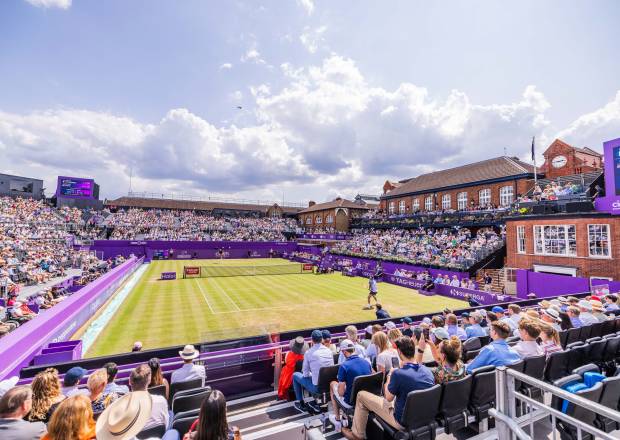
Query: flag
(533, 148)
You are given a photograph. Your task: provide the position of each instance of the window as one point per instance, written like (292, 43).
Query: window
(555, 240)
(598, 240)
(520, 239)
(391, 208)
(308, 220)
(484, 197)
(446, 201)
(506, 195)
(401, 207)
(329, 219)
(428, 203)
(416, 204)
(461, 200)
(319, 219)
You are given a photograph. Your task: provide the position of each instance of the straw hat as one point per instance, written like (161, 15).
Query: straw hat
(126, 417)
(189, 352)
(597, 305)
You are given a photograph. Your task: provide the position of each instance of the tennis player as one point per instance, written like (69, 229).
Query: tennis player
(372, 291)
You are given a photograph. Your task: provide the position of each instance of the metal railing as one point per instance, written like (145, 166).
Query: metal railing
(192, 198)
(511, 423)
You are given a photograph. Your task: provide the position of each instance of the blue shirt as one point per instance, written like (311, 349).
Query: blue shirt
(318, 356)
(455, 330)
(576, 322)
(475, 331)
(351, 368)
(382, 314)
(497, 353)
(410, 377)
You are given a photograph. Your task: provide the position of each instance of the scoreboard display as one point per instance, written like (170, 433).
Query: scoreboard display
(160, 255)
(75, 187)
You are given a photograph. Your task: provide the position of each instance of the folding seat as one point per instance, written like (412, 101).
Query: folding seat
(578, 356)
(609, 398)
(419, 416)
(183, 425)
(588, 368)
(556, 402)
(326, 376)
(557, 366)
(534, 366)
(617, 321)
(484, 340)
(453, 414)
(608, 327)
(370, 382)
(572, 335)
(154, 432)
(612, 348)
(185, 385)
(597, 350)
(188, 400)
(585, 332)
(482, 396)
(568, 431)
(471, 355)
(471, 344)
(563, 337)
(159, 390)
(186, 414)
(596, 330)
(517, 366)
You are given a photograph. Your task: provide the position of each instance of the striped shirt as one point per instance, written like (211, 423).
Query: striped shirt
(550, 347)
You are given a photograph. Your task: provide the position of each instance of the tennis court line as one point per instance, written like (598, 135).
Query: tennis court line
(204, 295)
(219, 289)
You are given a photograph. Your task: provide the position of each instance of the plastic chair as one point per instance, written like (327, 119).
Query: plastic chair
(453, 413)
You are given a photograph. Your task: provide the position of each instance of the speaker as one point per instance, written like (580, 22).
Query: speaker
(543, 209)
(579, 206)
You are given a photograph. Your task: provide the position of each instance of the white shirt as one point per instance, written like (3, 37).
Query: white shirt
(159, 412)
(528, 349)
(588, 318)
(385, 358)
(359, 350)
(318, 356)
(188, 372)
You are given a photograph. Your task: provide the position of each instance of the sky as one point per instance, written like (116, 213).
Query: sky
(296, 100)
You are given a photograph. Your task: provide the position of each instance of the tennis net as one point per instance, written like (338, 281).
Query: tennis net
(240, 271)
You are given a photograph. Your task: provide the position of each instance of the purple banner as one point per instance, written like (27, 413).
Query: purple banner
(547, 285)
(611, 202)
(59, 323)
(168, 276)
(368, 267)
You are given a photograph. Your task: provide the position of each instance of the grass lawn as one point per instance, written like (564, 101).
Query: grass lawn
(163, 313)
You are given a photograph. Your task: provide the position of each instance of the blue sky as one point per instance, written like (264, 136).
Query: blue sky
(336, 96)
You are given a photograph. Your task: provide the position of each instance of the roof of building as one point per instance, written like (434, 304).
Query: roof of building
(584, 150)
(336, 203)
(496, 168)
(152, 203)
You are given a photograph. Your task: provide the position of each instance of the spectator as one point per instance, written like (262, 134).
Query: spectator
(112, 370)
(448, 356)
(585, 316)
(72, 380)
(381, 313)
(598, 311)
(139, 381)
(475, 330)
(501, 316)
(15, 404)
(611, 303)
(550, 340)
(514, 313)
(471, 300)
(316, 357)
(453, 328)
(137, 346)
(188, 371)
(488, 281)
(371, 350)
(407, 324)
(551, 317)
(527, 346)
(399, 383)
(327, 341)
(96, 386)
(573, 313)
(127, 416)
(351, 368)
(351, 332)
(296, 354)
(46, 395)
(157, 377)
(212, 423)
(385, 352)
(498, 352)
(565, 322)
(73, 420)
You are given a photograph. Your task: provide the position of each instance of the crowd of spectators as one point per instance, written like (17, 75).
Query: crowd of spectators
(191, 225)
(553, 191)
(446, 247)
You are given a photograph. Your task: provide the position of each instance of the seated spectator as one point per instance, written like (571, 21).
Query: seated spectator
(72, 380)
(381, 313)
(527, 346)
(111, 387)
(371, 350)
(585, 316)
(385, 352)
(407, 326)
(137, 346)
(453, 328)
(297, 349)
(514, 313)
(399, 383)
(598, 311)
(351, 332)
(502, 317)
(188, 371)
(573, 313)
(139, 381)
(212, 423)
(475, 330)
(550, 339)
(448, 357)
(472, 301)
(96, 386)
(157, 377)
(46, 395)
(497, 353)
(327, 341)
(352, 367)
(611, 303)
(73, 420)
(316, 357)
(15, 404)
(551, 317)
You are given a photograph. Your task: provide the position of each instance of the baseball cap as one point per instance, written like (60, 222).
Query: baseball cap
(390, 325)
(346, 345)
(317, 336)
(440, 333)
(407, 320)
(326, 334)
(74, 375)
(465, 315)
(497, 309)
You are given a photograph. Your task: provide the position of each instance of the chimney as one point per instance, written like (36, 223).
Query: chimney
(311, 203)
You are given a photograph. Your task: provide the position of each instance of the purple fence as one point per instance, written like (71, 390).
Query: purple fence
(546, 285)
(19, 347)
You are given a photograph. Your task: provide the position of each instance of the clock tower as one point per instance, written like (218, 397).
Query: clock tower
(562, 159)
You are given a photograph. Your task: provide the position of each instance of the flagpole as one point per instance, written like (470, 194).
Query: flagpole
(534, 158)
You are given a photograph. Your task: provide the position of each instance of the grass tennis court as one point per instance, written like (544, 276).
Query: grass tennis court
(163, 313)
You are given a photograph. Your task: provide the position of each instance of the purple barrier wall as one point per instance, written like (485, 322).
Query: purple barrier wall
(191, 249)
(19, 347)
(545, 285)
(614, 286)
(611, 202)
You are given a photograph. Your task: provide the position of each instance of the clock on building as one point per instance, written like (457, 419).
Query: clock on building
(559, 161)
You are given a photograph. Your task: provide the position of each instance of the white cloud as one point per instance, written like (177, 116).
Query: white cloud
(327, 131)
(252, 55)
(62, 4)
(226, 66)
(237, 95)
(307, 5)
(313, 39)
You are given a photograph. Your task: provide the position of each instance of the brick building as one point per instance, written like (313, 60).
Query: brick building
(562, 159)
(583, 245)
(336, 214)
(496, 182)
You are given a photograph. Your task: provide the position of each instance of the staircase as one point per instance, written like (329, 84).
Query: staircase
(498, 279)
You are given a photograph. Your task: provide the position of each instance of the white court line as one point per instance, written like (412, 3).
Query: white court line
(219, 289)
(204, 295)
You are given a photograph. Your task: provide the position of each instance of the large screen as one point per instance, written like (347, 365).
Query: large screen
(75, 187)
(616, 151)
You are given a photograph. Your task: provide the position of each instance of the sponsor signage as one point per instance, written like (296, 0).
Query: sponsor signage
(192, 271)
(611, 202)
(308, 266)
(169, 275)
